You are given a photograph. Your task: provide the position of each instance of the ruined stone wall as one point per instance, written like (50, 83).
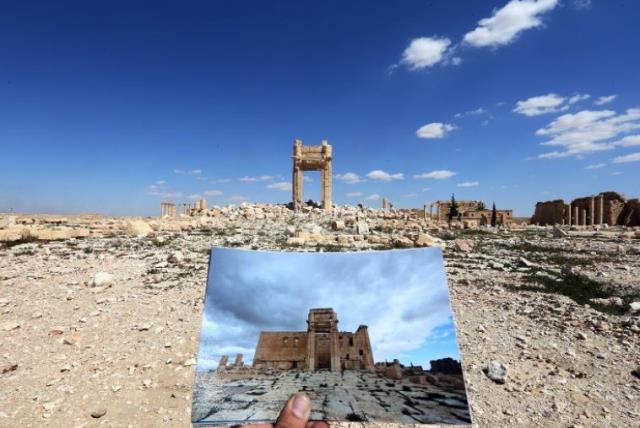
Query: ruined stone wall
(614, 203)
(549, 212)
(355, 349)
(281, 350)
(630, 214)
(442, 213)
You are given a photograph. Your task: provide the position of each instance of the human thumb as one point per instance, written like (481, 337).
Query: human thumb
(296, 413)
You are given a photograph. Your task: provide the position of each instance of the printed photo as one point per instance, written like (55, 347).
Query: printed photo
(368, 336)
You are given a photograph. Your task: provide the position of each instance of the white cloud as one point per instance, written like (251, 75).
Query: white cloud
(237, 198)
(426, 189)
(190, 172)
(307, 178)
(616, 173)
(353, 194)
(373, 197)
(159, 189)
(221, 180)
(542, 104)
(595, 166)
(604, 100)
(588, 131)
(469, 184)
(409, 195)
(507, 23)
(578, 97)
(629, 141)
(247, 179)
(194, 196)
(284, 186)
(582, 4)
(435, 130)
(349, 177)
(425, 52)
(633, 157)
(213, 192)
(439, 174)
(384, 176)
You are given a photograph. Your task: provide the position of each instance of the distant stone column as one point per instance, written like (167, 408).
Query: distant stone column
(583, 217)
(335, 351)
(238, 362)
(601, 209)
(592, 211)
(327, 204)
(568, 213)
(310, 360)
(223, 363)
(576, 220)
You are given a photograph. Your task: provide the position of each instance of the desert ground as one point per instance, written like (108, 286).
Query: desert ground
(100, 316)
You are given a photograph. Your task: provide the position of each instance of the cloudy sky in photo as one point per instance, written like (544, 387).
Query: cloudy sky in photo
(401, 296)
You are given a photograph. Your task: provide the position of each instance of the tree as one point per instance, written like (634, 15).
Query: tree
(453, 208)
(481, 206)
(494, 216)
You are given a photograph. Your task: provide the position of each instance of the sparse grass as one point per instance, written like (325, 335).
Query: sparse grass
(580, 288)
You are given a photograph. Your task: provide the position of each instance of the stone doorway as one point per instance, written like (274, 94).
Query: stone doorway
(323, 351)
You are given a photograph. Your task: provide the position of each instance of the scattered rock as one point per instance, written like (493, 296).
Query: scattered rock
(102, 279)
(11, 325)
(497, 372)
(464, 245)
(138, 228)
(98, 413)
(176, 258)
(362, 228)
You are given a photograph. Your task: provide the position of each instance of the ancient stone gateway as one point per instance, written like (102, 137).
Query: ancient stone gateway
(322, 346)
(312, 158)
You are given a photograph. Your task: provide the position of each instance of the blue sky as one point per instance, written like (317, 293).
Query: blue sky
(112, 107)
(400, 295)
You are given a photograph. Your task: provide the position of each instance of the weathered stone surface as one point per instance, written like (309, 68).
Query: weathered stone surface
(497, 372)
(101, 279)
(362, 228)
(464, 245)
(138, 228)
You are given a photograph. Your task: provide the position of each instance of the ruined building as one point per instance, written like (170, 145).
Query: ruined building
(470, 213)
(609, 208)
(322, 346)
(312, 158)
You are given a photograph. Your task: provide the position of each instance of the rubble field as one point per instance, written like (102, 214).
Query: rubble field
(100, 316)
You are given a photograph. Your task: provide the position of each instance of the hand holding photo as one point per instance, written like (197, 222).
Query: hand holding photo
(368, 336)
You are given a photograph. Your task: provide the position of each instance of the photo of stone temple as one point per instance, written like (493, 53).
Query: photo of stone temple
(322, 346)
(367, 336)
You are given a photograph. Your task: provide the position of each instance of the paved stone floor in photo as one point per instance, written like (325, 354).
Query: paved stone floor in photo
(335, 396)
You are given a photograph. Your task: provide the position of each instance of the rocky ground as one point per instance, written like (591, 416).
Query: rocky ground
(99, 317)
(347, 396)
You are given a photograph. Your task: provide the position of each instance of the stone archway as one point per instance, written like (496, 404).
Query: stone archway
(312, 158)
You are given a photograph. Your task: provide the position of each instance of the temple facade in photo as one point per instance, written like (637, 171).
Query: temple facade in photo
(322, 346)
